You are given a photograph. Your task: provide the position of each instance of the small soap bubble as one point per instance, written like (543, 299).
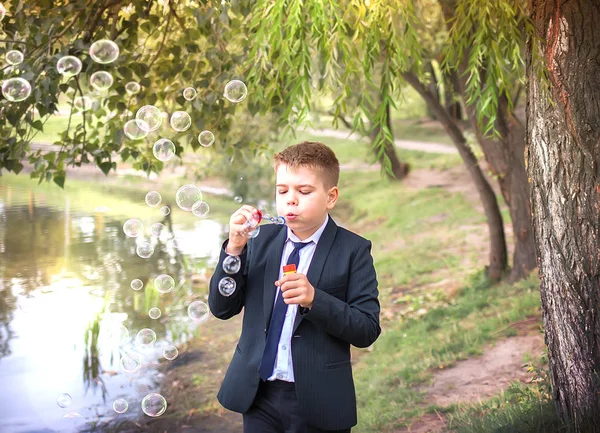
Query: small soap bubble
(16, 89)
(104, 51)
(189, 93)
(154, 405)
(132, 88)
(144, 250)
(236, 91)
(135, 129)
(83, 103)
(120, 405)
(231, 264)
(226, 286)
(164, 283)
(133, 228)
(206, 138)
(165, 210)
(101, 80)
(146, 337)
(200, 209)
(14, 57)
(154, 313)
(181, 121)
(163, 149)
(2, 11)
(198, 311)
(238, 199)
(187, 196)
(68, 66)
(136, 284)
(151, 116)
(64, 400)
(170, 352)
(156, 229)
(153, 198)
(131, 362)
(254, 233)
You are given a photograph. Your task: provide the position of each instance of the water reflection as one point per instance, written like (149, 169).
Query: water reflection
(65, 298)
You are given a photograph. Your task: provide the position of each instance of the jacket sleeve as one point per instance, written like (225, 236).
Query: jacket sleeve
(225, 307)
(356, 320)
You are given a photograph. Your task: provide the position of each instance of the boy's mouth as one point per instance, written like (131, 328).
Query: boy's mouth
(291, 216)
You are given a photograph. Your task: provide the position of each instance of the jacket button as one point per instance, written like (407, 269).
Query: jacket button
(265, 330)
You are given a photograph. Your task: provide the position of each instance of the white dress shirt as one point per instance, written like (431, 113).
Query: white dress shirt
(284, 368)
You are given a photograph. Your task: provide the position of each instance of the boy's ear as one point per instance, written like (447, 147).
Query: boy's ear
(332, 196)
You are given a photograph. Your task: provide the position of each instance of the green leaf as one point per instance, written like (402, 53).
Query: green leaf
(105, 167)
(59, 180)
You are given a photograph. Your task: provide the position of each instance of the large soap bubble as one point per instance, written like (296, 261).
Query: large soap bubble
(151, 115)
(164, 283)
(14, 57)
(232, 264)
(135, 129)
(146, 337)
(64, 400)
(104, 51)
(187, 196)
(200, 209)
(131, 362)
(154, 405)
(145, 250)
(16, 89)
(133, 228)
(206, 138)
(189, 93)
(181, 121)
(198, 311)
(83, 103)
(120, 405)
(227, 286)
(132, 88)
(236, 91)
(101, 80)
(153, 198)
(163, 149)
(68, 66)
(170, 352)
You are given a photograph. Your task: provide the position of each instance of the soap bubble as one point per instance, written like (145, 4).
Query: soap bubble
(187, 196)
(120, 405)
(131, 362)
(146, 337)
(254, 233)
(144, 250)
(136, 284)
(198, 311)
(231, 264)
(238, 199)
(200, 209)
(226, 286)
(181, 121)
(236, 91)
(154, 405)
(133, 228)
(135, 129)
(64, 400)
(104, 51)
(164, 283)
(163, 149)
(132, 88)
(101, 80)
(165, 210)
(153, 198)
(151, 116)
(16, 89)
(2, 11)
(170, 352)
(156, 229)
(68, 66)
(189, 93)
(14, 57)
(83, 103)
(154, 313)
(206, 138)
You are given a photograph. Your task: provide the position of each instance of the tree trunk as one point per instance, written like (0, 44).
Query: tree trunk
(563, 159)
(399, 169)
(498, 255)
(433, 89)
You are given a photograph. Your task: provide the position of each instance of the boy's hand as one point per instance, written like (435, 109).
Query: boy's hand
(237, 230)
(296, 290)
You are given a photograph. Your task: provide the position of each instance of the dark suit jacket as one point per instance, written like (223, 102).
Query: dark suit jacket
(345, 311)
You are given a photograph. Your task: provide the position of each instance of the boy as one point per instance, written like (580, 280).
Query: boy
(291, 371)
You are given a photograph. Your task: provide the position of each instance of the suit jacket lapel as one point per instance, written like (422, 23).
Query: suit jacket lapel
(318, 261)
(272, 273)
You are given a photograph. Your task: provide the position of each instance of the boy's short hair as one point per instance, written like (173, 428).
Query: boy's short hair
(311, 154)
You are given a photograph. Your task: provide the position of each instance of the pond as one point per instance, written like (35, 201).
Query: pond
(71, 350)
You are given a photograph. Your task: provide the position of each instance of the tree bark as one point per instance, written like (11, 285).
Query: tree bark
(563, 160)
(498, 254)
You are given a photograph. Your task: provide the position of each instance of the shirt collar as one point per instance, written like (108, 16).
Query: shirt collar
(315, 236)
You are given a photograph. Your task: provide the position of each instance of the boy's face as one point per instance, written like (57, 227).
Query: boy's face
(302, 199)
